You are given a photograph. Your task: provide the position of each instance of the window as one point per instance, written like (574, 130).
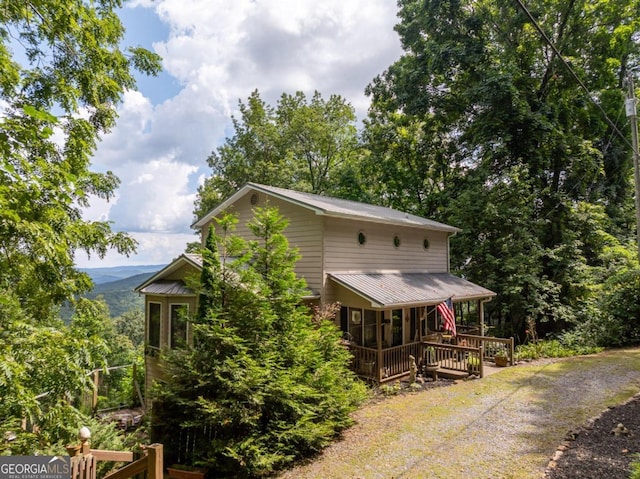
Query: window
(153, 329)
(369, 329)
(362, 238)
(396, 327)
(355, 325)
(179, 316)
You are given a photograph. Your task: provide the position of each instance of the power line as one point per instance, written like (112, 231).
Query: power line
(574, 75)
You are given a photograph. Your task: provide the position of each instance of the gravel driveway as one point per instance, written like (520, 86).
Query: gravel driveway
(507, 425)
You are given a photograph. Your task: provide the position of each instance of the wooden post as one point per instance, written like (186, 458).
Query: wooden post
(379, 346)
(134, 370)
(512, 352)
(481, 354)
(154, 462)
(96, 382)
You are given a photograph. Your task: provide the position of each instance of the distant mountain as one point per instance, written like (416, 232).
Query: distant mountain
(117, 293)
(115, 273)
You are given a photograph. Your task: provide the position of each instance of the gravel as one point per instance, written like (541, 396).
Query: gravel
(508, 425)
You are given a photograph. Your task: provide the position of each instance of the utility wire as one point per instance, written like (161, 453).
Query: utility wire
(573, 74)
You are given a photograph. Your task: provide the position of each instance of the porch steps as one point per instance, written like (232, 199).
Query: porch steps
(452, 374)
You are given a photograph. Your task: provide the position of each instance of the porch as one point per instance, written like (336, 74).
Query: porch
(453, 360)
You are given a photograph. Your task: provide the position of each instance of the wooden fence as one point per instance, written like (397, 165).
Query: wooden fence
(491, 346)
(468, 355)
(465, 359)
(92, 400)
(84, 461)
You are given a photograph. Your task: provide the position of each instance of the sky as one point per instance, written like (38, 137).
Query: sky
(214, 54)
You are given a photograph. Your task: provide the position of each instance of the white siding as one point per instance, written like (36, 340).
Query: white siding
(331, 244)
(304, 232)
(153, 363)
(343, 253)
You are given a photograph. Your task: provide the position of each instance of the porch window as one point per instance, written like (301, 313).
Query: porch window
(432, 323)
(355, 325)
(179, 315)
(413, 324)
(153, 331)
(369, 327)
(396, 327)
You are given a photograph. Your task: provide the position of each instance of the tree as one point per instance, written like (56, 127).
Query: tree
(56, 104)
(44, 369)
(307, 144)
(479, 110)
(262, 384)
(131, 325)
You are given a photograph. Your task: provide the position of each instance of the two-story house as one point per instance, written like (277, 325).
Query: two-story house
(387, 269)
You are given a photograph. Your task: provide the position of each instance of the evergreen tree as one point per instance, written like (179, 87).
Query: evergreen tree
(263, 384)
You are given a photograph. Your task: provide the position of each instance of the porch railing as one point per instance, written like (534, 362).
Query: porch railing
(490, 346)
(364, 361)
(395, 361)
(465, 359)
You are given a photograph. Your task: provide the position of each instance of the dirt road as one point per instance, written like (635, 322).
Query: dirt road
(505, 426)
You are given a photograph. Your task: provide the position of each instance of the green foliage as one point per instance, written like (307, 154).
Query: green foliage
(131, 325)
(73, 64)
(42, 368)
(55, 105)
(391, 389)
(92, 318)
(309, 144)
(635, 468)
(621, 305)
(479, 125)
(263, 383)
(553, 348)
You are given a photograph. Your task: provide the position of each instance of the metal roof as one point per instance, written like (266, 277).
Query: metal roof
(402, 289)
(194, 260)
(168, 288)
(335, 207)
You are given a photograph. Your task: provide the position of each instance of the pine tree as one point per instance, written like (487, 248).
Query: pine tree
(263, 383)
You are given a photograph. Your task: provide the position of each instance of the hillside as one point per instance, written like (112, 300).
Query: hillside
(118, 294)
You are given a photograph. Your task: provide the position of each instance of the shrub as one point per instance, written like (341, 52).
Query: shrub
(635, 468)
(552, 348)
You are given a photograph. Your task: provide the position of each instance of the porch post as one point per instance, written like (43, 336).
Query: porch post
(481, 316)
(379, 344)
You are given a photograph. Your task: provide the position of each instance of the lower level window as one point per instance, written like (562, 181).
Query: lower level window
(179, 317)
(153, 331)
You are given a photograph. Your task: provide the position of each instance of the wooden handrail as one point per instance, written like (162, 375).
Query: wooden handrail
(84, 459)
(129, 470)
(117, 456)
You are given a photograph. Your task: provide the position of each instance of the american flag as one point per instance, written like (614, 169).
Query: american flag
(446, 311)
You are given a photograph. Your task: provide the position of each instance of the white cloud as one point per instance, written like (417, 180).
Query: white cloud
(152, 249)
(219, 51)
(156, 197)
